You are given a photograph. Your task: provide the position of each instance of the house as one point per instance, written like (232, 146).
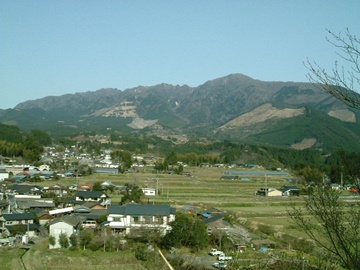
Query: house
(26, 189)
(290, 190)
(89, 217)
(263, 243)
(85, 187)
(93, 205)
(63, 225)
(94, 196)
(43, 216)
(27, 220)
(269, 192)
(216, 224)
(108, 185)
(3, 174)
(189, 209)
(25, 204)
(149, 191)
(136, 217)
(336, 187)
(211, 212)
(3, 206)
(57, 189)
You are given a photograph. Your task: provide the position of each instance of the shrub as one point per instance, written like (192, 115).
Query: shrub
(141, 253)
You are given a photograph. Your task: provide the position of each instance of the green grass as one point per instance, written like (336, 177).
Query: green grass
(10, 258)
(41, 258)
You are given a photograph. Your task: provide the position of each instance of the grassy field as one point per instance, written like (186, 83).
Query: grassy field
(10, 258)
(205, 190)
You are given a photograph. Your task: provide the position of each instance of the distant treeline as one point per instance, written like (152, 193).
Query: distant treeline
(14, 143)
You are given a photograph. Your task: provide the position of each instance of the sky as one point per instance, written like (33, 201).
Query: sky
(52, 48)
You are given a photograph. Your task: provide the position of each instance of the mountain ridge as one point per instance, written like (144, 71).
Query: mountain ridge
(209, 110)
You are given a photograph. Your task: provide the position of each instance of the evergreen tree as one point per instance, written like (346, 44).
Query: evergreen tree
(186, 231)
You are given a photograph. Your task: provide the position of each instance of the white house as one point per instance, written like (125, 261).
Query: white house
(66, 225)
(149, 191)
(3, 174)
(130, 217)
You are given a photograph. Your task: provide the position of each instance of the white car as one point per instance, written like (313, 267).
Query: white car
(223, 257)
(220, 265)
(215, 252)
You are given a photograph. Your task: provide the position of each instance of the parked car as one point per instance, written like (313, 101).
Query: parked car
(223, 257)
(215, 252)
(220, 265)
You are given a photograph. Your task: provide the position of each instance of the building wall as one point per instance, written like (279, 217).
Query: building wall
(274, 193)
(3, 175)
(58, 228)
(149, 222)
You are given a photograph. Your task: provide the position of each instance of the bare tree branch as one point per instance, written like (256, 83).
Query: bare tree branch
(342, 83)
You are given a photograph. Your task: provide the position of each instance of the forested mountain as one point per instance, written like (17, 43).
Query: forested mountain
(235, 108)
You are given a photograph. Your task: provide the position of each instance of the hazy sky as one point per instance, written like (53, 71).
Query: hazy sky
(51, 48)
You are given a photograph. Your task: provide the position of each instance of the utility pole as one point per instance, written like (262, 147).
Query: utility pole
(266, 186)
(341, 180)
(157, 188)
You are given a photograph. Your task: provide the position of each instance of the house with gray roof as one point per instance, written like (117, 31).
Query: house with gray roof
(139, 217)
(63, 225)
(26, 189)
(290, 190)
(90, 219)
(27, 204)
(27, 220)
(216, 223)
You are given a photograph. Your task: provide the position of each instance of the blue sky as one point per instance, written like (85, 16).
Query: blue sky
(51, 48)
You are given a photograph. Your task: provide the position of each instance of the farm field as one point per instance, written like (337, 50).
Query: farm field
(204, 189)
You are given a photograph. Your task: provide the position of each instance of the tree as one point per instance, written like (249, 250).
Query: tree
(331, 222)
(123, 157)
(161, 166)
(334, 224)
(311, 175)
(132, 194)
(52, 240)
(97, 186)
(18, 229)
(141, 252)
(171, 158)
(106, 236)
(41, 136)
(341, 82)
(117, 241)
(73, 240)
(186, 231)
(63, 240)
(85, 238)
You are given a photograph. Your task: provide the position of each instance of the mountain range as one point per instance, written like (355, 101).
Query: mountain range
(235, 108)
